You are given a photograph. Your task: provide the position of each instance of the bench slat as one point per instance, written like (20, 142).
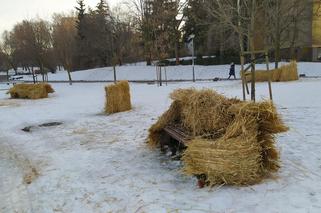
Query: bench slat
(177, 134)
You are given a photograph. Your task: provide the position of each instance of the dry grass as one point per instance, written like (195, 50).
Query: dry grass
(30, 176)
(118, 97)
(30, 91)
(287, 72)
(233, 140)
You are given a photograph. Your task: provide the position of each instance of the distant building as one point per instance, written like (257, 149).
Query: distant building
(307, 46)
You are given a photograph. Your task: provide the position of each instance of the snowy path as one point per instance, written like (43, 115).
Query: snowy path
(14, 194)
(97, 163)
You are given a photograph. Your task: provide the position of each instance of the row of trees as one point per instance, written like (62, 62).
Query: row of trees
(90, 37)
(152, 30)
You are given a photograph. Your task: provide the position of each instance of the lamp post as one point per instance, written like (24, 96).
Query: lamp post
(191, 38)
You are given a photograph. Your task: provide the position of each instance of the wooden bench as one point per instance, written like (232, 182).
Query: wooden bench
(175, 139)
(178, 134)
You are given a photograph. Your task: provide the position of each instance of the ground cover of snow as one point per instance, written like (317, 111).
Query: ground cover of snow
(98, 163)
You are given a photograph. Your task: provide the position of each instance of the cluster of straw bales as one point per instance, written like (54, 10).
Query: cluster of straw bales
(118, 97)
(287, 72)
(31, 91)
(233, 140)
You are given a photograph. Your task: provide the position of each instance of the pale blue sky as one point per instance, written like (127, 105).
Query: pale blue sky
(13, 11)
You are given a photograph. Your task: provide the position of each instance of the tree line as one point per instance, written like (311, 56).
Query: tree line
(152, 30)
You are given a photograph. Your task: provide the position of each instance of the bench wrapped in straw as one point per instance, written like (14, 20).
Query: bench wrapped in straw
(233, 140)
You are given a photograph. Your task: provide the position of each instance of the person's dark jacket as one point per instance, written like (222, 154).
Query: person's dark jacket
(232, 69)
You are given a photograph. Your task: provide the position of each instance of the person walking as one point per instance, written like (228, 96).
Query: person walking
(232, 71)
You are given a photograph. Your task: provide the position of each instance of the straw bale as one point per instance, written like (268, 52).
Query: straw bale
(228, 160)
(171, 117)
(204, 112)
(287, 72)
(118, 97)
(30, 91)
(48, 88)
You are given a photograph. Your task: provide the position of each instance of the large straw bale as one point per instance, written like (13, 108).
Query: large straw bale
(118, 97)
(233, 140)
(228, 160)
(203, 112)
(30, 91)
(287, 72)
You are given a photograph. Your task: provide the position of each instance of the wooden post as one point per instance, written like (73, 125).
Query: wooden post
(243, 76)
(269, 73)
(253, 77)
(252, 49)
(166, 80)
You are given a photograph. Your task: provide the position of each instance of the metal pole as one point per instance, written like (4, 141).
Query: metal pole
(160, 76)
(166, 76)
(193, 60)
(115, 77)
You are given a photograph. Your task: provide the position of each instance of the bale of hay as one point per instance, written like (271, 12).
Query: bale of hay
(118, 97)
(30, 91)
(233, 140)
(48, 88)
(287, 72)
(235, 160)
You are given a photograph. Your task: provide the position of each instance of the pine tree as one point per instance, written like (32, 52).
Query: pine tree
(104, 30)
(81, 16)
(196, 23)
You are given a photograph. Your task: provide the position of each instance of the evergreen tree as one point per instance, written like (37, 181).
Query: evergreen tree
(197, 23)
(104, 33)
(81, 16)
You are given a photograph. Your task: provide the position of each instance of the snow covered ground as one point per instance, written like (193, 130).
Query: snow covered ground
(98, 163)
(141, 72)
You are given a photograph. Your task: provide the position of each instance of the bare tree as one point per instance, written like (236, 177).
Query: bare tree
(8, 50)
(283, 24)
(64, 40)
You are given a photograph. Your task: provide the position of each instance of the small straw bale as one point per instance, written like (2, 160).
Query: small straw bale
(118, 97)
(285, 73)
(233, 140)
(30, 91)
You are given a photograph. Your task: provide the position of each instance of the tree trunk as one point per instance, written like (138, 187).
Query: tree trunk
(42, 72)
(177, 53)
(149, 59)
(277, 38)
(69, 76)
(33, 75)
(241, 43)
(277, 54)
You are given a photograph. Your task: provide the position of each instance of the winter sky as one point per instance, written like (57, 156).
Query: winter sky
(13, 11)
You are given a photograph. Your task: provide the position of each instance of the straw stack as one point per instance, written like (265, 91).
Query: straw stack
(118, 97)
(233, 140)
(30, 91)
(287, 72)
